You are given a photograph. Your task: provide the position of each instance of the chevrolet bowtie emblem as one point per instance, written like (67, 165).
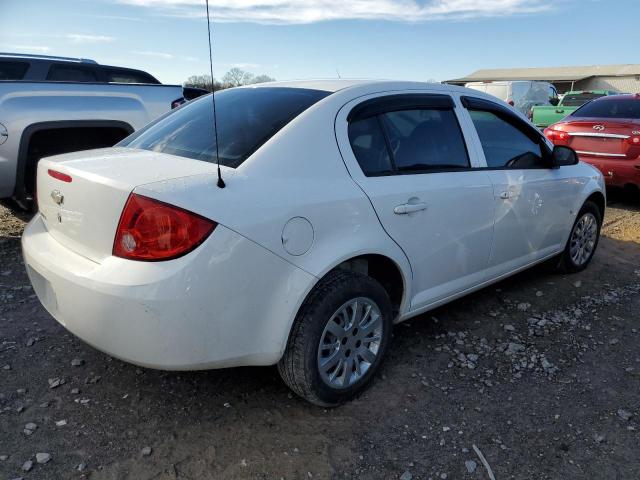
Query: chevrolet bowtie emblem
(57, 196)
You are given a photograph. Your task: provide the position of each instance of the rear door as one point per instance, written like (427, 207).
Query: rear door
(533, 202)
(408, 154)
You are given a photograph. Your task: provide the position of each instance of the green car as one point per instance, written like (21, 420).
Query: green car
(544, 115)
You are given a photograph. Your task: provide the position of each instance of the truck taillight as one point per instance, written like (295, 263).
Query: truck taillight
(177, 102)
(151, 230)
(556, 136)
(63, 177)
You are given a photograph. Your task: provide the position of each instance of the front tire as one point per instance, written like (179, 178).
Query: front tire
(583, 239)
(338, 339)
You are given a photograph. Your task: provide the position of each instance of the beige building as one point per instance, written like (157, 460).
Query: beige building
(621, 78)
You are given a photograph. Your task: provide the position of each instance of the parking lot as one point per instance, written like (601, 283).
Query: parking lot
(540, 372)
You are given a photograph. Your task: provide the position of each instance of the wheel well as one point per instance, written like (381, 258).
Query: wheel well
(45, 140)
(598, 199)
(384, 271)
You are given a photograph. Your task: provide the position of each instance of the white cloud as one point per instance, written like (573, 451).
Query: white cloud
(164, 56)
(80, 38)
(310, 11)
(13, 48)
(245, 66)
(146, 53)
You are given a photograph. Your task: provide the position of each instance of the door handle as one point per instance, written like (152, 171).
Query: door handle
(507, 194)
(409, 208)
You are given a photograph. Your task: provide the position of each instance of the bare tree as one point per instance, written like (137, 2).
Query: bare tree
(233, 78)
(200, 81)
(236, 77)
(262, 79)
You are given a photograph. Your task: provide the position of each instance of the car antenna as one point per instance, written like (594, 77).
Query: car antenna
(220, 183)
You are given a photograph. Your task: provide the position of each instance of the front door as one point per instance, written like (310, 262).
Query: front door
(533, 201)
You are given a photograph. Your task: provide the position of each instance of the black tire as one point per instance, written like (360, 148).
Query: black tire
(299, 365)
(566, 263)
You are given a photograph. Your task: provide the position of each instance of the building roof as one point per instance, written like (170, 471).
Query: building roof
(550, 74)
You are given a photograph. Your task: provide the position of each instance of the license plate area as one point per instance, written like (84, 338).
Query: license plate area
(598, 144)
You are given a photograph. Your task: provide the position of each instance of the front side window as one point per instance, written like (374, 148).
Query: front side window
(504, 145)
(71, 73)
(610, 107)
(246, 119)
(409, 141)
(10, 70)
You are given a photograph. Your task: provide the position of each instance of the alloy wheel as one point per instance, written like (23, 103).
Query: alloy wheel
(350, 342)
(583, 239)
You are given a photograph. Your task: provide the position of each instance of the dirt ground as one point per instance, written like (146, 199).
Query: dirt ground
(540, 372)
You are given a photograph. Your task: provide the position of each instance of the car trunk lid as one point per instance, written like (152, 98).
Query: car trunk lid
(606, 139)
(81, 195)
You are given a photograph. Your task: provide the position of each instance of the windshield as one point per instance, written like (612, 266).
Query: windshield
(246, 119)
(577, 99)
(610, 108)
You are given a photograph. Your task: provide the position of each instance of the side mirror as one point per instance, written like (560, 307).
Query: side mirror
(554, 101)
(563, 156)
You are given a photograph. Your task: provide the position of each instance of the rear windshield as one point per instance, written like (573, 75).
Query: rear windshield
(72, 73)
(13, 70)
(246, 119)
(121, 75)
(610, 108)
(577, 99)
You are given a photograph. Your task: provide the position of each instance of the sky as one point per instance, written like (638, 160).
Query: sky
(286, 39)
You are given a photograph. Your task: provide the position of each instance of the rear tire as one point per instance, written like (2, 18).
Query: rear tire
(338, 340)
(583, 240)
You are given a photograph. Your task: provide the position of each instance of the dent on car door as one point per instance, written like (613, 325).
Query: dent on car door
(533, 201)
(408, 154)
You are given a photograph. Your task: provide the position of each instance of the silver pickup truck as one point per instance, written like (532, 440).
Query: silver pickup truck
(52, 105)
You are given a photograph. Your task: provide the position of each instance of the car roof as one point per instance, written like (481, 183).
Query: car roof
(334, 85)
(626, 96)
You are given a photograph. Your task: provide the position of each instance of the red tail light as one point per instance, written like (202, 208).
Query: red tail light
(634, 141)
(63, 177)
(177, 102)
(151, 230)
(556, 136)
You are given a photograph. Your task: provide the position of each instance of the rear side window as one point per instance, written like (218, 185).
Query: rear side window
(505, 145)
(13, 70)
(246, 119)
(370, 147)
(408, 141)
(122, 75)
(71, 73)
(578, 99)
(425, 140)
(610, 107)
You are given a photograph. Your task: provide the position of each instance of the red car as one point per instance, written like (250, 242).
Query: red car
(606, 133)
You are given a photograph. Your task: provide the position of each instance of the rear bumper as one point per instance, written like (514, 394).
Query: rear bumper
(228, 303)
(616, 173)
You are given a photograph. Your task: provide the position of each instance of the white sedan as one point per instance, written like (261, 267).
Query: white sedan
(345, 207)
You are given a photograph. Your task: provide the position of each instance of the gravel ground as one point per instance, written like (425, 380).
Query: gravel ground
(540, 373)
